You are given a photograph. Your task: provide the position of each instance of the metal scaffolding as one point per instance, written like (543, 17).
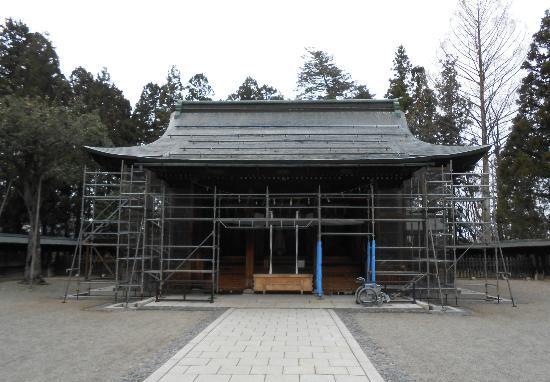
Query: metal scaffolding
(140, 237)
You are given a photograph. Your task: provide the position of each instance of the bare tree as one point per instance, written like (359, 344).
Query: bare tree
(488, 47)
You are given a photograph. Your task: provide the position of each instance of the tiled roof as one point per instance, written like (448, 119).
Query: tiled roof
(285, 132)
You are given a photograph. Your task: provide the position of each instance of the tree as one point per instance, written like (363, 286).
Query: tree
(524, 172)
(251, 90)
(320, 78)
(488, 51)
(41, 141)
(100, 95)
(146, 116)
(29, 65)
(199, 89)
(453, 108)
(155, 105)
(401, 82)
(171, 92)
(362, 92)
(423, 108)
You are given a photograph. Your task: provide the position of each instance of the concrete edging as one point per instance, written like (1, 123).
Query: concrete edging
(367, 366)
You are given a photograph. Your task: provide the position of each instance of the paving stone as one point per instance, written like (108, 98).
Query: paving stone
(270, 354)
(326, 355)
(242, 354)
(316, 378)
(332, 370)
(212, 378)
(214, 354)
(298, 370)
(201, 370)
(178, 378)
(231, 348)
(356, 371)
(223, 361)
(252, 361)
(298, 354)
(282, 378)
(240, 369)
(193, 361)
(268, 370)
(312, 362)
(343, 362)
(247, 378)
(351, 378)
(283, 361)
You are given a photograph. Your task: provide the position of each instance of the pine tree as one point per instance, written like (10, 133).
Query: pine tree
(362, 92)
(199, 89)
(155, 105)
(421, 116)
(100, 95)
(171, 92)
(524, 171)
(146, 114)
(29, 65)
(251, 90)
(453, 108)
(401, 82)
(321, 78)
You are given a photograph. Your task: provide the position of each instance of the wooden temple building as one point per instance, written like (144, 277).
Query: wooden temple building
(299, 196)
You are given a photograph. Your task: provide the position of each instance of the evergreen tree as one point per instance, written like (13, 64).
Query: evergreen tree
(155, 105)
(524, 172)
(423, 107)
(251, 90)
(199, 89)
(29, 65)
(401, 82)
(41, 142)
(362, 92)
(320, 78)
(453, 109)
(100, 95)
(146, 115)
(171, 92)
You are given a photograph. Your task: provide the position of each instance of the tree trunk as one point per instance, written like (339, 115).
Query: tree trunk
(33, 262)
(4, 200)
(486, 207)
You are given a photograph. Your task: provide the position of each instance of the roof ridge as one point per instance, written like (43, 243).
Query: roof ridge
(389, 105)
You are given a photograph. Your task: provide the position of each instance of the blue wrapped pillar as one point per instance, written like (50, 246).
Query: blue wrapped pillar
(368, 262)
(319, 270)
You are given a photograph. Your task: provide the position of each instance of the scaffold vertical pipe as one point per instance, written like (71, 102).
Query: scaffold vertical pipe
(119, 221)
(161, 249)
(270, 248)
(296, 242)
(144, 233)
(214, 236)
(373, 265)
(426, 233)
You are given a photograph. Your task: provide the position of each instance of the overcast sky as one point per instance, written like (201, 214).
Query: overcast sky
(228, 40)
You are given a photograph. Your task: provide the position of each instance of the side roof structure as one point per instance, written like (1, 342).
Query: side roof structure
(289, 133)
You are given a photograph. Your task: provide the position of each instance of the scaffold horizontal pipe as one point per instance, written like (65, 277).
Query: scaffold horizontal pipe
(346, 234)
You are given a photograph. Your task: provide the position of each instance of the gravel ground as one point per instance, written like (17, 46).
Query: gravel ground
(490, 343)
(43, 339)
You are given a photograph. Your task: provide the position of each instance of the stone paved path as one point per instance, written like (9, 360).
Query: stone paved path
(271, 345)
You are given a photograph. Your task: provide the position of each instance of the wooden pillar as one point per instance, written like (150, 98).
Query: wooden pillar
(249, 267)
